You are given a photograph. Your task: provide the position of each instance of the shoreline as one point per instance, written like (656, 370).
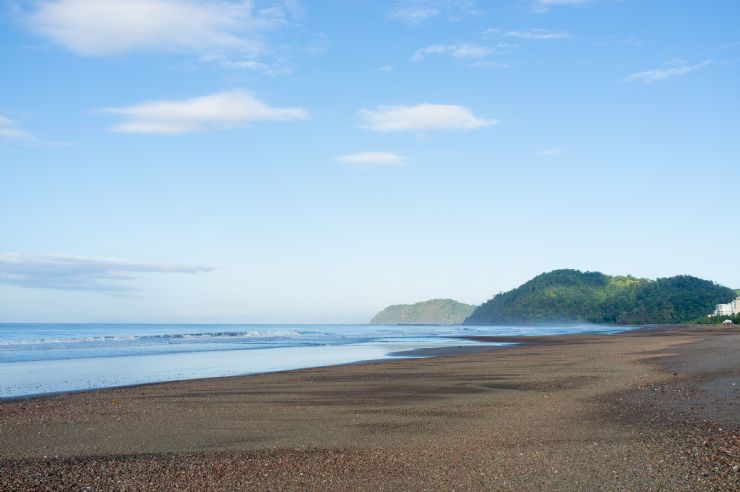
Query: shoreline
(545, 414)
(424, 352)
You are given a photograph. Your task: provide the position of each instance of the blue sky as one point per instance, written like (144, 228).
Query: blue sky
(287, 161)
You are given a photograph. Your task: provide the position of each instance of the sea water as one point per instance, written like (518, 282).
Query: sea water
(50, 358)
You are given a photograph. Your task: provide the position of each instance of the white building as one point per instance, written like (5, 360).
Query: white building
(729, 309)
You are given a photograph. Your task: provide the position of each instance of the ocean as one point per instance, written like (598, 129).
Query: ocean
(51, 358)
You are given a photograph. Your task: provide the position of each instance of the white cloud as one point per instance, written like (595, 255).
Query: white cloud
(660, 74)
(9, 130)
(373, 159)
(551, 152)
(272, 69)
(107, 27)
(468, 51)
(422, 118)
(416, 11)
(80, 272)
(621, 41)
(535, 34)
(214, 111)
(542, 6)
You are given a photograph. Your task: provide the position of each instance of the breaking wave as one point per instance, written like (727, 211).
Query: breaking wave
(205, 336)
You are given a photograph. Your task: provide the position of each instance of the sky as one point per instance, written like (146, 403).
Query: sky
(313, 162)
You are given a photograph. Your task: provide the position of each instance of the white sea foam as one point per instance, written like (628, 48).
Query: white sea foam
(263, 334)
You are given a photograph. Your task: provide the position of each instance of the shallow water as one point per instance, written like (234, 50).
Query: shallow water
(49, 358)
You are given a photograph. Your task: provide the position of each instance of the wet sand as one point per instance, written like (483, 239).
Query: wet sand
(647, 410)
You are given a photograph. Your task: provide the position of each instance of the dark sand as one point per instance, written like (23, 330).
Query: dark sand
(648, 410)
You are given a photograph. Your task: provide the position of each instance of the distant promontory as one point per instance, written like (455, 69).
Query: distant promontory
(434, 312)
(572, 296)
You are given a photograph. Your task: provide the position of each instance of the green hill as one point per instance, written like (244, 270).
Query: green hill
(570, 296)
(434, 312)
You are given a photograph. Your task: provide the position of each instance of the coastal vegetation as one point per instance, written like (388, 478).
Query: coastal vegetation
(572, 296)
(718, 320)
(433, 312)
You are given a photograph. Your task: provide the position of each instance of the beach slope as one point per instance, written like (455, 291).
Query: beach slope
(645, 410)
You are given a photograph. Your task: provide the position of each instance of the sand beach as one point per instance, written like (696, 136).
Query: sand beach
(651, 409)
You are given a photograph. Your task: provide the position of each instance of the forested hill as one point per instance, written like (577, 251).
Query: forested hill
(434, 312)
(591, 297)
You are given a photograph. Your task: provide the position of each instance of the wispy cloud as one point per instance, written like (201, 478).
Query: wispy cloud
(107, 27)
(467, 51)
(81, 273)
(373, 159)
(11, 131)
(273, 69)
(728, 46)
(422, 118)
(214, 111)
(621, 41)
(668, 72)
(551, 152)
(533, 34)
(542, 6)
(416, 11)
